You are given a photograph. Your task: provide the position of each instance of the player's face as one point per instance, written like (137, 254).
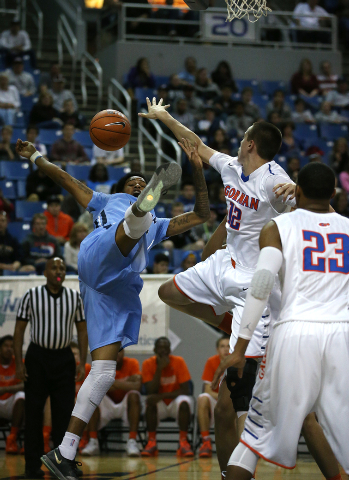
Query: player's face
(223, 348)
(243, 150)
(134, 186)
(162, 348)
(6, 350)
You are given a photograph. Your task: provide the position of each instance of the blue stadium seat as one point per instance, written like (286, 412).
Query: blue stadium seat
(304, 131)
(80, 172)
(141, 94)
(84, 138)
(20, 122)
(261, 101)
(241, 84)
(161, 80)
(48, 137)
(8, 189)
(25, 210)
(290, 99)
(313, 102)
(21, 189)
(19, 230)
(281, 160)
(303, 161)
(27, 103)
(268, 87)
(88, 152)
(115, 173)
(153, 252)
(37, 75)
(332, 132)
(18, 132)
(177, 254)
(14, 170)
(325, 145)
(160, 210)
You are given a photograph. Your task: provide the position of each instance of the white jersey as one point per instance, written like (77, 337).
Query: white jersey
(314, 275)
(251, 203)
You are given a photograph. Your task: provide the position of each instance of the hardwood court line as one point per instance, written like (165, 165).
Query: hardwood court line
(160, 469)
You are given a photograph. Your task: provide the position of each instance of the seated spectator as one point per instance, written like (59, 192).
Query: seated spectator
(274, 118)
(326, 79)
(327, 115)
(123, 401)
(188, 260)
(188, 75)
(315, 157)
(220, 140)
(39, 246)
(279, 105)
(186, 240)
(9, 100)
(301, 114)
(206, 230)
(7, 149)
(140, 76)
(98, 179)
(160, 265)
(163, 93)
(340, 203)
(339, 97)
(219, 201)
(344, 177)
(72, 247)
(239, 122)
(182, 115)
(222, 75)
(317, 17)
(5, 205)
(289, 142)
(68, 150)
(340, 154)
(61, 94)
(39, 187)
(107, 158)
(251, 109)
(175, 89)
(9, 249)
(205, 88)
(46, 78)
(187, 196)
(195, 105)
(293, 167)
(32, 137)
(43, 114)
(71, 115)
(166, 381)
(59, 224)
(11, 393)
(209, 124)
(304, 82)
(224, 104)
(16, 42)
(23, 81)
(208, 399)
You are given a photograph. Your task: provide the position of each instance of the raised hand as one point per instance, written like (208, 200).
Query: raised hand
(154, 109)
(191, 152)
(233, 360)
(26, 149)
(285, 189)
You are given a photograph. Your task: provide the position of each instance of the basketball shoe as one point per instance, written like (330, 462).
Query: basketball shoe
(61, 467)
(185, 449)
(11, 444)
(205, 451)
(151, 449)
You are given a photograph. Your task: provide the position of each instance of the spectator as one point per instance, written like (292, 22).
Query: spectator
(107, 158)
(208, 399)
(327, 115)
(98, 179)
(218, 200)
(222, 75)
(206, 230)
(7, 149)
(339, 97)
(166, 381)
(5, 205)
(188, 75)
(195, 105)
(289, 142)
(326, 79)
(140, 76)
(12, 397)
(316, 18)
(16, 42)
(187, 196)
(274, 118)
(160, 265)
(163, 93)
(186, 240)
(61, 94)
(43, 114)
(9, 100)
(205, 88)
(340, 154)
(220, 140)
(301, 114)
(9, 250)
(279, 105)
(175, 88)
(340, 203)
(123, 401)
(72, 247)
(293, 167)
(188, 260)
(344, 177)
(32, 137)
(304, 82)
(39, 246)
(209, 124)
(251, 109)
(47, 78)
(40, 187)
(239, 122)
(59, 224)
(182, 115)
(68, 150)
(23, 81)
(224, 104)
(315, 157)
(71, 115)
(343, 15)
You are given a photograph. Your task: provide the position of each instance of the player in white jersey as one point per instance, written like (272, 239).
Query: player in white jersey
(306, 366)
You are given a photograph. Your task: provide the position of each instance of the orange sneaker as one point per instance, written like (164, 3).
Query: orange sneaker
(184, 449)
(205, 451)
(11, 444)
(83, 442)
(22, 451)
(151, 449)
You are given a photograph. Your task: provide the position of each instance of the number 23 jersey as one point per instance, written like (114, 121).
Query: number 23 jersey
(251, 203)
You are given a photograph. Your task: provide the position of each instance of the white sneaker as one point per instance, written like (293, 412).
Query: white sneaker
(132, 449)
(92, 448)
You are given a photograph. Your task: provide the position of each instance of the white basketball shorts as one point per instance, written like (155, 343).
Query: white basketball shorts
(109, 410)
(6, 406)
(305, 370)
(171, 410)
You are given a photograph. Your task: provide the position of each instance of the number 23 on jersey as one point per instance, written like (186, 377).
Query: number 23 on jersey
(314, 255)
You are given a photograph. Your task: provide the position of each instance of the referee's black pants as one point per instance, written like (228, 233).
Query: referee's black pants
(50, 373)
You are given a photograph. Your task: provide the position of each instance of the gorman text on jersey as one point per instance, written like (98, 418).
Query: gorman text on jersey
(241, 198)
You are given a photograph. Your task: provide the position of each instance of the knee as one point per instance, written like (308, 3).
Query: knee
(203, 401)
(133, 399)
(184, 407)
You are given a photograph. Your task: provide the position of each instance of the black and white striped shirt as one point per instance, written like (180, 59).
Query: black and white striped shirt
(52, 316)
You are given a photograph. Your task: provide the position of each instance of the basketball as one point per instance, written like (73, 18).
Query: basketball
(110, 130)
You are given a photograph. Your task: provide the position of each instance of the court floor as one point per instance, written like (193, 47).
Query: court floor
(116, 466)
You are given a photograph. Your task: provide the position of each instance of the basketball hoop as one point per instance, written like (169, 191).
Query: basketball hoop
(251, 8)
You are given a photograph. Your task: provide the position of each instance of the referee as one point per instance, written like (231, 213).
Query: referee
(49, 368)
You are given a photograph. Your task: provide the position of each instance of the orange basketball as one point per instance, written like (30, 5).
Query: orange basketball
(110, 130)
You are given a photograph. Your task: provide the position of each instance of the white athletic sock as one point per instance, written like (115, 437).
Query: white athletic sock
(69, 445)
(134, 226)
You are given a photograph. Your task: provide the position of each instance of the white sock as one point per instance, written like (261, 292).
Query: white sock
(69, 445)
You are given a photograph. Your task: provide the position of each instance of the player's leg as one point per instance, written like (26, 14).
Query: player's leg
(242, 463)
(132, 413)
(16, 404)
(181, 409)
(92, 446)
(205, 406)
(153, 413)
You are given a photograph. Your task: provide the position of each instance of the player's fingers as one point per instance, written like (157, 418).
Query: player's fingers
(167, 106)
(278, 186)
(280, 191)
(148, 102)
(154, 101)
(160, 102)
(183, 148)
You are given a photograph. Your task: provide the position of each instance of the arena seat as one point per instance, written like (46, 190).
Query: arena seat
(332, 132)
(80, 172)
(84, 138)
(268, 87)
(304, 131)
(161, 80)
(241, 84)
(14, 170)
(21, 189)
(25, 210)
(8, 189)
(27, 103)
(141, 94)
(261, 101)
(48, 137)
(19, 230)
(115, 173)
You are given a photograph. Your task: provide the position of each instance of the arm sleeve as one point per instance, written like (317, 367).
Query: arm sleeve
(161, 230)
(80, 314)
(98, 201)
(182, 372)
(218, 160)
(24, 310)
(277, 202)
(208, 372)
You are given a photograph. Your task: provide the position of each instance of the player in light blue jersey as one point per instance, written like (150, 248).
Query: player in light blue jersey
(110, 261)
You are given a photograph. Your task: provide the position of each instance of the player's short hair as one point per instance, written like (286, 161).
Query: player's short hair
(267, 138)
(161, 339)
(317, 181)
(161, 257)
(5, 338)
(120, 185)
(224, 337)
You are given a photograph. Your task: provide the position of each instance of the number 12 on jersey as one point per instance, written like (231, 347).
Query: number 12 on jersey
(234, 216)
(313, 260)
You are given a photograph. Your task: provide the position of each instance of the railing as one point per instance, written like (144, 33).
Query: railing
(36, 16)
(66, 37)
(96, 78)
(115, 103)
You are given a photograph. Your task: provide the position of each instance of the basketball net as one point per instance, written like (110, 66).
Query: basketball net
(254, 9)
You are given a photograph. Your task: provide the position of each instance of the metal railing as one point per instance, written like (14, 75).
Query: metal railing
(66, 37)
(97, 78)
(115, 91)
(36, 16)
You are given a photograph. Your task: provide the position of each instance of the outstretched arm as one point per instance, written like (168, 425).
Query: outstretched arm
(80, 192)
(157, 111)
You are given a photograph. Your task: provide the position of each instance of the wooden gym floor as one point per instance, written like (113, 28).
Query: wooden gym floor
(117, 466)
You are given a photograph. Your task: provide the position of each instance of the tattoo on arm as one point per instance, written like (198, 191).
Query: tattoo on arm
(202, 205)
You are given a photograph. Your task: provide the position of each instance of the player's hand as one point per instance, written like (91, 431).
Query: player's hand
(153, 399)
(80, 373)
(26, 149)
(234, 360)
(21, 372)
(154, 109)
(163, 362)
(285, 189)
(191, 152)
